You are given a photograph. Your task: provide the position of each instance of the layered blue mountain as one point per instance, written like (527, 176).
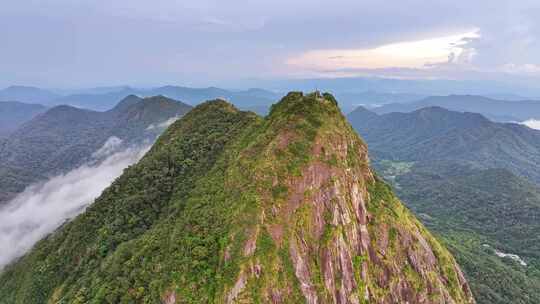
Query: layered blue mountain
(499, 110)
(65, 137)
(27, 94)
(13, 114)
(253, 99)
(436, 134)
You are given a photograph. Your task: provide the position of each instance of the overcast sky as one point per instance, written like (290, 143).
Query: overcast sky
(63, 43)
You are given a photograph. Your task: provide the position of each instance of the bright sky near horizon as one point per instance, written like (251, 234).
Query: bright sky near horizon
(404, 54)
(206, 42)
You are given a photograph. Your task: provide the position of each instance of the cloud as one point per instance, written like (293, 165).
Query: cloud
(163, 125)
(418, 54)
(112, 145)
(112, 41)
(42, 208)
(532, 123)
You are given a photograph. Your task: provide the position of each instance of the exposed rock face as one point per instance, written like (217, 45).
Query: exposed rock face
(349, 240)
(286, 210)
(169, 298)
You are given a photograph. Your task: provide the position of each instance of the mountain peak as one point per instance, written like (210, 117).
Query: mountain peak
(436, 113)
(66, 110)
(277, 209)
(304, 105)
(146, 111)
(216, 103)
(362, 114)
(125, 103)
(161, 100)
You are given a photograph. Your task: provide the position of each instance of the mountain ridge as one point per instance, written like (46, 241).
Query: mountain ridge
(277, 209)
(27, 94)
(258, 98)
(435, 133)
(478, 213)
(65, 137)
(14, 113)
(498, 110)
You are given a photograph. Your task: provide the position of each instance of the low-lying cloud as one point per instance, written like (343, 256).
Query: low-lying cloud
(109, 147)
(42, 208)
(163, 125)
(532, 123)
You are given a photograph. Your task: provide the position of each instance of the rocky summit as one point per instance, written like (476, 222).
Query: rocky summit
(230, 207)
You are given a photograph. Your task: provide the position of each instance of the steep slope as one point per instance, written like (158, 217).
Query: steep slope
(436, 134)
(434, 158)
(13, 114)
(65, 137)
(493, 202)
(479, 213)
(231, 208)
(499, 110)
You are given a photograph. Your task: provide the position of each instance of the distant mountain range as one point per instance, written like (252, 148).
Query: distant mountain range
(13, 114)
(65, 137)
(426, 87)
(499, 110)
(27, 94)
(436, 134)
(380, 95)
(350, 100)
(103, 99)
(193, 96)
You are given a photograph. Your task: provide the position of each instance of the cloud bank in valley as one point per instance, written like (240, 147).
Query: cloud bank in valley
(163, 125)
(42, 208)
(111, 146)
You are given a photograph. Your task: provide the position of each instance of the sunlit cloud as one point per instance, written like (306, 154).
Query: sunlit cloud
(262, 40)
(408, 54)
